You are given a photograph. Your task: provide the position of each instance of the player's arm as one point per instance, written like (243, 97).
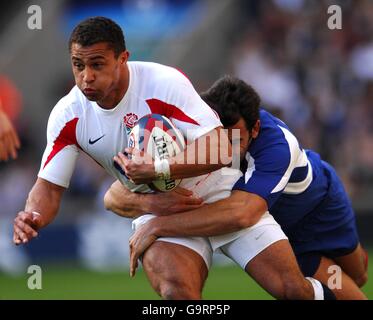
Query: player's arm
(41, 208)
(206, 154)
(56, 169)
(239, 211)
(125, 203)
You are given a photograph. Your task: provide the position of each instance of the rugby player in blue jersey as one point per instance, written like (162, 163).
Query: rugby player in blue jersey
(302, 192)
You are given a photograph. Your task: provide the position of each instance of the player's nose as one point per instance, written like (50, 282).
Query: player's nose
(88, 76)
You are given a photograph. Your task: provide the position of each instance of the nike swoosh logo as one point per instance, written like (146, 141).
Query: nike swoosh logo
(94, 141)
(256, 238)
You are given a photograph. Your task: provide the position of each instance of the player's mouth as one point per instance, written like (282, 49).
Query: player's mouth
(89, 91)
(91, 94)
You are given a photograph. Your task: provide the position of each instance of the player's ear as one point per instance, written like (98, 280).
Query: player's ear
(255, 129)
(123, 57)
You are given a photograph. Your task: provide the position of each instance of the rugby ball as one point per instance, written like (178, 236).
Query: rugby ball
(157, 136)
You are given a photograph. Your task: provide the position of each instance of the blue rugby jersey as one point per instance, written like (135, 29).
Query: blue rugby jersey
(291, 180)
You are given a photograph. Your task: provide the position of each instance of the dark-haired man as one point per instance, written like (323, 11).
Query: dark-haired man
(300, 190)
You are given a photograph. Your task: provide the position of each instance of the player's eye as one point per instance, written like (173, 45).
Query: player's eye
(97, 65)
(78, 66)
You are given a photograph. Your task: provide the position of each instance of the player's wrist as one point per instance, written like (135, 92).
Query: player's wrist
(146, 202)
(156, 227)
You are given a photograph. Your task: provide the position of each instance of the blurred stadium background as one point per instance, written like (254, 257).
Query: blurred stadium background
(319, 81)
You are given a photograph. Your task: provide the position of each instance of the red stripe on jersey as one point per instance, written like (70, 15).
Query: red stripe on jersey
(169, 111)
(66, 137)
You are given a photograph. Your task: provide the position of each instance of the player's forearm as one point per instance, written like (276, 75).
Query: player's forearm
(126, 212)
(207, 154)
(200, 222)
(210, 220)
(124, 208)
(125, 203)
(228, 215)
(44, 198)
(181, 171)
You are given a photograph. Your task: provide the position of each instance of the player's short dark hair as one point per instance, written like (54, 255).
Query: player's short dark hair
(233, 98)
(99, 29)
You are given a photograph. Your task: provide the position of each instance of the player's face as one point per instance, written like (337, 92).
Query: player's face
(99, 74)
(245, 136)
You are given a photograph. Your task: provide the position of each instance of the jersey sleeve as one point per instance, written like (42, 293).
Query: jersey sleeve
(267, 174)
(183, 105)
(62, 150)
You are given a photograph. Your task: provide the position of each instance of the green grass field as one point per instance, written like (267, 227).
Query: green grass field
(227, 282)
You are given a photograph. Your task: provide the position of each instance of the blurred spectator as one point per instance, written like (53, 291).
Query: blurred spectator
(9, 141)
(10, 97)
(10, 106)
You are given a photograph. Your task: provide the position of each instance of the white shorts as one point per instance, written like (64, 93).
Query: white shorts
(198, 244)
(241, 249)
(240, 246)
(253, 240)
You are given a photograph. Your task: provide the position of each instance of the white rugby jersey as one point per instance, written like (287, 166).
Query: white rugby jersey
(77, 124)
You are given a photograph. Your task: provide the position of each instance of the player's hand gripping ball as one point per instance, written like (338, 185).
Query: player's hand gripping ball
(155, 135)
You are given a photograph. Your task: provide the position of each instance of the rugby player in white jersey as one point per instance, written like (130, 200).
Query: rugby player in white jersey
(96, 117)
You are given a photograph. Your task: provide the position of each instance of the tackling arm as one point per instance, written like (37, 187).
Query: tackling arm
(123, 202)
(128, 204)
(239, 211)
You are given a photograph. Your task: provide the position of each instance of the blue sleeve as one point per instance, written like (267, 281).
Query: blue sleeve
(267, 173)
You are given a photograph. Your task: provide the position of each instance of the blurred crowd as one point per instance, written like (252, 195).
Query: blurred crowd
(320, 81)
